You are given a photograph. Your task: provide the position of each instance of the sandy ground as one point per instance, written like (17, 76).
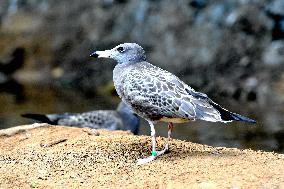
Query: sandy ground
(65, 157)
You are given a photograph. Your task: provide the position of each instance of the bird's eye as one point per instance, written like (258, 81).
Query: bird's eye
(120, 49)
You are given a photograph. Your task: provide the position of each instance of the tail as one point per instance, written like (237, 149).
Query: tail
(230, 116)
(40, 117)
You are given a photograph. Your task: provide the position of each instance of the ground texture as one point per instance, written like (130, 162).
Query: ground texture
(43, 156)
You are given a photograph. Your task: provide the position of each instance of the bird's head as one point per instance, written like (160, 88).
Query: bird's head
(124, 53)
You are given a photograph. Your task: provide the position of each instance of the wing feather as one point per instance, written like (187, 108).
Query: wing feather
(155, 93)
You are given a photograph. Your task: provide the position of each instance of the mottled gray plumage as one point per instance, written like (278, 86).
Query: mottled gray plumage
(158, 95)
(121, 119)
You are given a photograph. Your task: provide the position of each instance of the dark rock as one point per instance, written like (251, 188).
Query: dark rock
(16, 62)
(251, 96)
(198, 4)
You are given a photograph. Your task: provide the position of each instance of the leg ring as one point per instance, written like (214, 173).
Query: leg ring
(154, 153)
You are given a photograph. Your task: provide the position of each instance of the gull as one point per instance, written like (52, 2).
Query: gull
(123, 118)
(158, 95)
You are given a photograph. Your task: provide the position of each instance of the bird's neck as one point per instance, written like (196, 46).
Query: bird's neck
(127, 62)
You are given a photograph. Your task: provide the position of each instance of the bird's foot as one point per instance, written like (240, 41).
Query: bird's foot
(154, 155)
(145, 160)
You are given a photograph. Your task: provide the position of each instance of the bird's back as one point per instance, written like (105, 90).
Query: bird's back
(153, 93)
(158, 95)
(100, 119)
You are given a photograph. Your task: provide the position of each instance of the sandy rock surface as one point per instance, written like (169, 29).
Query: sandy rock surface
(63, 157)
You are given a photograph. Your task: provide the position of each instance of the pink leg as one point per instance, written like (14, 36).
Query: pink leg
(170, 130)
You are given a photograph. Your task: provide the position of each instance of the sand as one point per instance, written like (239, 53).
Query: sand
(43, 156)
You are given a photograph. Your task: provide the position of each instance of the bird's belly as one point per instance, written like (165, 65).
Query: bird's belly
(174, 120)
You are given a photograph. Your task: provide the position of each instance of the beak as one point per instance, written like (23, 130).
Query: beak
(101, 54)
(94, 54)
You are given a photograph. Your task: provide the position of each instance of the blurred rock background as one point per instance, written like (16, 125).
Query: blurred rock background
(233, 50)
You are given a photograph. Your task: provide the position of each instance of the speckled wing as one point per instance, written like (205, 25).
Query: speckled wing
(95, 119)
(158, 95)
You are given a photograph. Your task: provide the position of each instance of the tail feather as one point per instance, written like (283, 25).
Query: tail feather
(230, 116)
(239, 117)
(40, 117)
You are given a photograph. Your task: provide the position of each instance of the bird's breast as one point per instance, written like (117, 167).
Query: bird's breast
(120, 76)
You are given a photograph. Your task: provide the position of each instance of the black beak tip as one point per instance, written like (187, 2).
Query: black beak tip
(94, 54)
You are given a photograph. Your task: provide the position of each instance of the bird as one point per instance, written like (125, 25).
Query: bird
(123, 118)
(158, 95)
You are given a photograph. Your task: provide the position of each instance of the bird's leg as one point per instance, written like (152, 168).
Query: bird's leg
(170, 129)
(153, 135)
(154, 152)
